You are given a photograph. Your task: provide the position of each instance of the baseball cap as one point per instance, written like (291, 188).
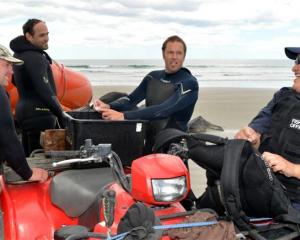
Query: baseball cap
(6, 55)
(292, 52)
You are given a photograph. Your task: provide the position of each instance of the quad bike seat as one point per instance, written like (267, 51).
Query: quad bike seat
(74, 191)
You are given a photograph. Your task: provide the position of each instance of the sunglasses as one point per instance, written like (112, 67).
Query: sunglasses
(297, 60)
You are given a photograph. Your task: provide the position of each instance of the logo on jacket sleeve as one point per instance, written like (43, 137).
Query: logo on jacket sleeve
(184, 91)
(295, 124)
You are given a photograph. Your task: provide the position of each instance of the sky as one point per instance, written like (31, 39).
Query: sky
(135, 29)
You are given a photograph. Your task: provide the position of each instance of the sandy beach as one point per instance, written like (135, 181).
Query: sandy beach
(230, 108)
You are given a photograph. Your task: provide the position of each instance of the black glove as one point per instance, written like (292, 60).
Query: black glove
(139, 221)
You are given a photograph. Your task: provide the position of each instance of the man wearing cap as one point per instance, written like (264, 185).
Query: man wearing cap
(10, 147)
(38, 108)
(276, 131)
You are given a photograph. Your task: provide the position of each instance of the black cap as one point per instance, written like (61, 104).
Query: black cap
(292, 52)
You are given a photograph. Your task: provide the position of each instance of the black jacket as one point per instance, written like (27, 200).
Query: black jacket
(10, 147)
(283, 137)
(34, 81)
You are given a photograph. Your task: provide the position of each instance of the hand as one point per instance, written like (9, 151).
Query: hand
(248, 133)
(109, 114)
(280, 164)
(38, 174)
(99, 105)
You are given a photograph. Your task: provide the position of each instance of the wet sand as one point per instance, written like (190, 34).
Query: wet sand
(230, 108)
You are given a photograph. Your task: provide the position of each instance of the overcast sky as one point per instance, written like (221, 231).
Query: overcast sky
(109, 29)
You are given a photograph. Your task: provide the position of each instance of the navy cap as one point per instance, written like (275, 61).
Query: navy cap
(292, 52)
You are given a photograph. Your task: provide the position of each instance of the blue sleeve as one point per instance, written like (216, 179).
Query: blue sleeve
(11, 149)
(185, 95)
(262, 122)
(138, 95)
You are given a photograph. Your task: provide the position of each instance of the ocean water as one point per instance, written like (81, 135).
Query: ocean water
(210, 73)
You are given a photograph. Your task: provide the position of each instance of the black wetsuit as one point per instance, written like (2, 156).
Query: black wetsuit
(10, 146)
(38, 106)
(170, 96)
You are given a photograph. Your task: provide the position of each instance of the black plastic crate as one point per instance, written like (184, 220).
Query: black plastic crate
(127, 137)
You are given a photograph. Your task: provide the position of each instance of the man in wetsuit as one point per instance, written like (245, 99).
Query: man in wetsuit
(10, 146)
(276, 132)
(38, 108)
(170, 94)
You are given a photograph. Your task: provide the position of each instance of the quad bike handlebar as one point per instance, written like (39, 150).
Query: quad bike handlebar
(87, 153)
(90, 153)
(76, 160)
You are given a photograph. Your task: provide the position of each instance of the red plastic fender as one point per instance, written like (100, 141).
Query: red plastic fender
(28, 212)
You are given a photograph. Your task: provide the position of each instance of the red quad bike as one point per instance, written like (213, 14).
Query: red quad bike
(84, 201)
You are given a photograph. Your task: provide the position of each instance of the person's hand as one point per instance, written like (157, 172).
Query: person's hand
(109, 114)
(281, 165)
(38, 174)
(248, 133)
(99, 105)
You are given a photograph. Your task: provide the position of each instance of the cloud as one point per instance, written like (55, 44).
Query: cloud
(108, 27)
(162, 5)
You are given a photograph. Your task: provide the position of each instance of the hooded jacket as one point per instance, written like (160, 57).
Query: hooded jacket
(34, 81)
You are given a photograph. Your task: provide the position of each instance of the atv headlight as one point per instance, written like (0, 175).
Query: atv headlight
(169, 190)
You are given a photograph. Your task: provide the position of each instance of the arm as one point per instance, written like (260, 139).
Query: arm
(262, 122)
(113, 110)
(185, 95)
(11, 148)
(124, 103)
(175, 103)
(138, 95)
(282, 165)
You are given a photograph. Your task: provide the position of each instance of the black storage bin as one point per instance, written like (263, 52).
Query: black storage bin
(127, 137)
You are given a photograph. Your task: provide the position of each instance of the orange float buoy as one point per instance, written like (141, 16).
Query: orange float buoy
(73, 89)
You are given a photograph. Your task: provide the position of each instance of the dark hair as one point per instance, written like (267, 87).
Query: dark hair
(28, 26)
(173, 38)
